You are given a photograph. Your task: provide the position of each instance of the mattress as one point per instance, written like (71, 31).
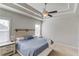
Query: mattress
(32, 47)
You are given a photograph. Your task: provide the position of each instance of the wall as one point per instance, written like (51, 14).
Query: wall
(18, 20)
(62, 29)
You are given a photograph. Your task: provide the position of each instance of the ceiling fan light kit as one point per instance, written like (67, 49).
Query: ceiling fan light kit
(45, 13)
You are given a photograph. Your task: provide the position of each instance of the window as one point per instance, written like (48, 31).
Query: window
(4, 30)
(37, 30)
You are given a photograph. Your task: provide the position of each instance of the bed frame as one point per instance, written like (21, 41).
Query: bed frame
(23, 32)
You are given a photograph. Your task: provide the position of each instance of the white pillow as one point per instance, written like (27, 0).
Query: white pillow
(20, 38)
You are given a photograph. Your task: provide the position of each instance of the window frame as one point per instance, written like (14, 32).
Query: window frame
(39, 29)
(10, 26)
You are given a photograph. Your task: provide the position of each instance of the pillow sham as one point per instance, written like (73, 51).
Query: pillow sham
(28, 37)
(19, 38)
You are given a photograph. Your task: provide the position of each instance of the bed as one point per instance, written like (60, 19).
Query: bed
(32, 47)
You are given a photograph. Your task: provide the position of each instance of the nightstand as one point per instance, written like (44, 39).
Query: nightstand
(7, 48)
(51, 42)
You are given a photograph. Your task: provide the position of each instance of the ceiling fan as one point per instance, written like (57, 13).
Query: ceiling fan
(45, 13)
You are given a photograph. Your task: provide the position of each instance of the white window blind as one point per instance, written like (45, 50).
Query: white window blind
(4, 30)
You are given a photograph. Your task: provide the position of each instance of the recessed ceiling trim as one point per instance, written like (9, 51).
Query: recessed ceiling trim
(75, 7)
(65, 10)
(18, 11)
(33, 8)
(26, 9)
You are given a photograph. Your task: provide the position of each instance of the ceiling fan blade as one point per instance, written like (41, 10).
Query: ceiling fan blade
(53, 11)
(50, 15)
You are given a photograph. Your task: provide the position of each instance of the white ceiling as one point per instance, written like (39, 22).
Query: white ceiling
(34, 10)
(22, 8)
(49, 7)
(62, 8)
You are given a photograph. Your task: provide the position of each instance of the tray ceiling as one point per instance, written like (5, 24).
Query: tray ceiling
(34, 10)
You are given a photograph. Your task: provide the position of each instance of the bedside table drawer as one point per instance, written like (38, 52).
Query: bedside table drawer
(7, 49)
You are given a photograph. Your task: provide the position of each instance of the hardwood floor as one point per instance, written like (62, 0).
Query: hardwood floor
(55, 53)
(62, 50)
(16, 54)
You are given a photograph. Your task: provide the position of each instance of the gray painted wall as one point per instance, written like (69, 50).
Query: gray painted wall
(62, 29)
(18, 20)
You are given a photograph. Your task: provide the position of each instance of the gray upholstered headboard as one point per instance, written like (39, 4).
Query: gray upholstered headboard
(24, 32)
